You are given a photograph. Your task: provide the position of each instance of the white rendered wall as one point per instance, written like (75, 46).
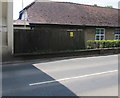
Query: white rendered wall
(7, 28)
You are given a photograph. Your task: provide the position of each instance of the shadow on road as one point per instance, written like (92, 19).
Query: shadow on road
(17, 77)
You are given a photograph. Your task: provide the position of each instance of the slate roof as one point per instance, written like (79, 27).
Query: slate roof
(71, 14)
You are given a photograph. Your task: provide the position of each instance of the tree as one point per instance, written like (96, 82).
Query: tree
(109, 6)
(95, 5)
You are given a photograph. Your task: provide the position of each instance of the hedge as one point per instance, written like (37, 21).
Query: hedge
(92, 44)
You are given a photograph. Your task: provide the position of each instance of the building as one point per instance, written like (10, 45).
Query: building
(76, 23)
(6, 28)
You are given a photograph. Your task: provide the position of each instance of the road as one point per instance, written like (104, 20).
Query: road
(80, 76)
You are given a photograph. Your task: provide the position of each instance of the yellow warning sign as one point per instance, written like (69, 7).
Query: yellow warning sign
(71, 34)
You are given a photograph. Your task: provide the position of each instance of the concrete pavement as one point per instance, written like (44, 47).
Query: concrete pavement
(102, 79)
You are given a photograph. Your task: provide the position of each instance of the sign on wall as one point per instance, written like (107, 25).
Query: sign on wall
(71, 34)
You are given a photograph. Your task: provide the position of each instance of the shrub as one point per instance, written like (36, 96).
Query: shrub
(102, 44)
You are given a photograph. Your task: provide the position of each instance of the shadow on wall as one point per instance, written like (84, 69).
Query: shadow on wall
(17, 77)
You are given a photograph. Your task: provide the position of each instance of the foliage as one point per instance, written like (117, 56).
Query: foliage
(95, 5)
(92, 44)
(109, 6)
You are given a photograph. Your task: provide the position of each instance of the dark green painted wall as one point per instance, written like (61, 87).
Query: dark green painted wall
(42, 38)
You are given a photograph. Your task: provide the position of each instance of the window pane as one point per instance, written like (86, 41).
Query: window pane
(97, 31)
(97, 37)
(102, 37)
(102, 31)
(116, 37)
(117, 31)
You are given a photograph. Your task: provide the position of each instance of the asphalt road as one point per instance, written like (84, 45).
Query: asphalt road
(88, 76)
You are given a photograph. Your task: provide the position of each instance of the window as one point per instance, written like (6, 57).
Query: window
(117, 34)
(100, 34)
(4, 36)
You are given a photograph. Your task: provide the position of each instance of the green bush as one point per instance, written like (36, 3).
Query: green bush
(92, 44)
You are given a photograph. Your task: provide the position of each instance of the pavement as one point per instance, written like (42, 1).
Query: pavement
(87, 76)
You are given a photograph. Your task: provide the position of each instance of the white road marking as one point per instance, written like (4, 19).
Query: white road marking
(83, 76)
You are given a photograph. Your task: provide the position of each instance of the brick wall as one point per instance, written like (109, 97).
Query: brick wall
(90, 33)
(109, 33)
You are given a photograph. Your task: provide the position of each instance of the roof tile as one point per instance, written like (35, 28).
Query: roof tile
(72, 14)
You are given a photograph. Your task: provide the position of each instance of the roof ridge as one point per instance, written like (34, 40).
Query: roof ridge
(66, 2)
(84, 4)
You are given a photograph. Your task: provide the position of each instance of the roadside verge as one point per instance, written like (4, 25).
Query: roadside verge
(83, 53)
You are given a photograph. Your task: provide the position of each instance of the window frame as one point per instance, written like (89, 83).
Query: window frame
(117, 34)
(100, 34)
